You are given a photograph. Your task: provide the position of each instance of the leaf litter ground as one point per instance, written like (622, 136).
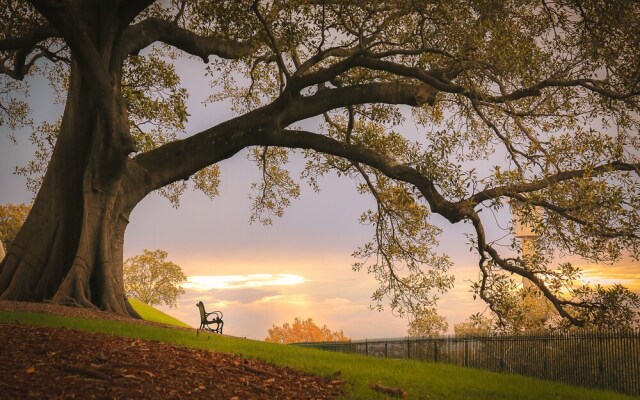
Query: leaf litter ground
(59, 363)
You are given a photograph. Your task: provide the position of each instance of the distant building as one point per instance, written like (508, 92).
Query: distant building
(526, 234)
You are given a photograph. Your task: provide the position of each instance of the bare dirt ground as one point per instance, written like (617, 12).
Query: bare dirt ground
(58, 363)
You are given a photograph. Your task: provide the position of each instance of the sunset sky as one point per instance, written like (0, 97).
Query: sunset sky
(264, 275)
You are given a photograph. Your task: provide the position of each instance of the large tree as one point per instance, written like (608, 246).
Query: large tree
(529, 101)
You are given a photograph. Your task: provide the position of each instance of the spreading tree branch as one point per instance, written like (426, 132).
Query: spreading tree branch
(540, 184)
(440, 80)
(484, 248)
(22, 47)
(29, 39)
(152, 30)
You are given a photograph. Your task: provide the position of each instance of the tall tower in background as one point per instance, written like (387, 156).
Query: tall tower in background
(527, 236)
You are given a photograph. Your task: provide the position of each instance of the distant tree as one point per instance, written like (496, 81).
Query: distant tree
(303, 331)
(528, 311)
(152, 280)
(12, 216)
(428, 323)
(475, 325)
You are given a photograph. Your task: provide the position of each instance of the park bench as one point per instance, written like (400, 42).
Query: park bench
(209, 319)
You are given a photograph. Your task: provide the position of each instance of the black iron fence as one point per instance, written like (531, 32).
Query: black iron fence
(597, 359)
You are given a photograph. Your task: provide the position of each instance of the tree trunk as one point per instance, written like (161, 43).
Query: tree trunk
(69, 250)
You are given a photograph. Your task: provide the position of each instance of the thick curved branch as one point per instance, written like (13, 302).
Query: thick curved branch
(484, 248)
(23, 47)
(152, 30)
(22, 66)
(435, 78)
(441, 80)
(300, 139)
(182, 158)
(323, 55)
(325, 100)
(452, 211)
(544, 183)
(30, 39)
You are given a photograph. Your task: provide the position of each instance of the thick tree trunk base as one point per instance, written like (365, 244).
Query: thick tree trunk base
(69, 250)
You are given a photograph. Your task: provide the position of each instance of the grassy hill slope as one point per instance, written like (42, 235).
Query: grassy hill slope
(149, 313)
(421, 380)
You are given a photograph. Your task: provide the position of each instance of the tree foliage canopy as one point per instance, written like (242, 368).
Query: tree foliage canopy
(427, 323)
(441, 111)
(151, 279)
(12, 216)
(528, 311)
(475, 325)
(303, 331)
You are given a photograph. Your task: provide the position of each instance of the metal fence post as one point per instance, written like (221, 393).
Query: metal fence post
(466, 353)
(600, 362)
(501, 356)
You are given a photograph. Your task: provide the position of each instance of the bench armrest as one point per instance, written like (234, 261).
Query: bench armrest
(218, 314)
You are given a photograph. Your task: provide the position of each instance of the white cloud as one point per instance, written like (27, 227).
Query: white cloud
(336, 301)
(208, 282)
(292, 299)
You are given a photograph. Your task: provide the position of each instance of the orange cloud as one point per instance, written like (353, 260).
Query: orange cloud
(626, 273)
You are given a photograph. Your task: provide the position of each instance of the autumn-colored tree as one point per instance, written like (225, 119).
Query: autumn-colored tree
(427, 323)
(151, 279)
(303, 331)
(534, 101)
(12, 216)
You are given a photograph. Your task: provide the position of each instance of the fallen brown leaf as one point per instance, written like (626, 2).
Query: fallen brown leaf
(74, 364)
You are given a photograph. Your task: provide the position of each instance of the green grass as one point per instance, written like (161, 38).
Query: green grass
(149, 313)
(421, 380)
